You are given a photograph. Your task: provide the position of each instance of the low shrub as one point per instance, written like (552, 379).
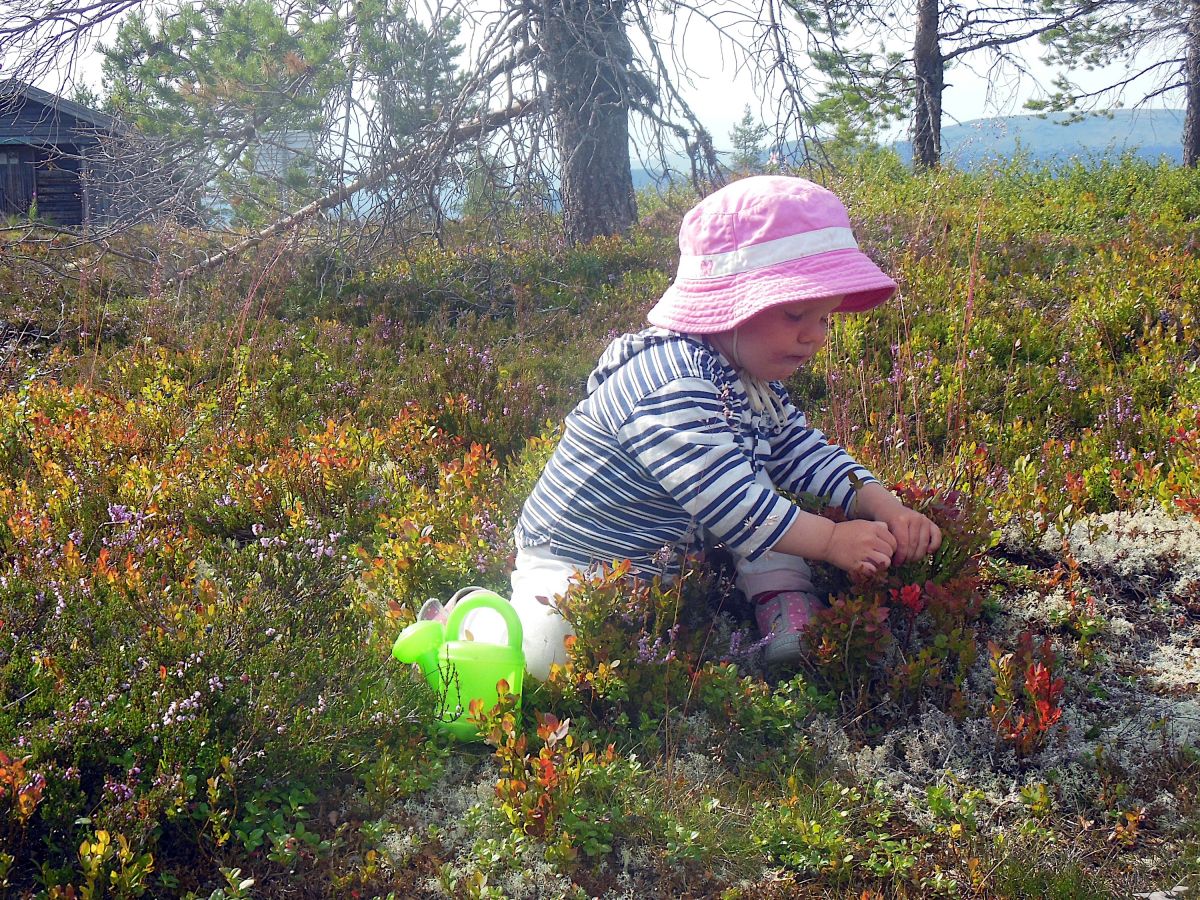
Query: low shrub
(910, 636)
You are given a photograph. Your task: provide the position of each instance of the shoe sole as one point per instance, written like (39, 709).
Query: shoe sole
(782, 650)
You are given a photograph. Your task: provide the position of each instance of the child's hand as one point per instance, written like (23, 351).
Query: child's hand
(861, 547)
(916, 536)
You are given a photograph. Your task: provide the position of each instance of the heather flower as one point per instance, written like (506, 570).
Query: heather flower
(120, 792)
(119, 515)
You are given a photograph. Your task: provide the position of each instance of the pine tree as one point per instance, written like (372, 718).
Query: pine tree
(262, 105)
(941, 33)
(747, 139)
(1162, 35)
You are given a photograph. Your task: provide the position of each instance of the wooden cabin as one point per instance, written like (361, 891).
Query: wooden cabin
(51, 164)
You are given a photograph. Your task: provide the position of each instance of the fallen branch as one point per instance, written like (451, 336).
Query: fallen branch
(470, 131)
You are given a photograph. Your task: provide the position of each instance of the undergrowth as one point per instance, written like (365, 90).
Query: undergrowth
(218, 509)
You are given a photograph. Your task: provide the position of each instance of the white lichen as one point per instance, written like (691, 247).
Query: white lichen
(1132, 695)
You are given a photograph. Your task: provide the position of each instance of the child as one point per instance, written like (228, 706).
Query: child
(686, 430)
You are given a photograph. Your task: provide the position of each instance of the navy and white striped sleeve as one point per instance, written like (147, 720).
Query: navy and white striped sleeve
(803, 461)
(679, 434)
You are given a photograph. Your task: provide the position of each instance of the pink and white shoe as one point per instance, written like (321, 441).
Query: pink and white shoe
(433, 610)
(781, 617)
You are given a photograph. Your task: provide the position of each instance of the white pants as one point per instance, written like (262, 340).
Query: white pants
(540, 578)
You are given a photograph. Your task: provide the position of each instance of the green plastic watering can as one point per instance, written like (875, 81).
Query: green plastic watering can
(461, 671)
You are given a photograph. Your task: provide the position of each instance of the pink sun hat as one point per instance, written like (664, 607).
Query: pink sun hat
(761, 242)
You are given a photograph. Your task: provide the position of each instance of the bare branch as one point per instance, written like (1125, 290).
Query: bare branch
(461, 134)
(43, 37)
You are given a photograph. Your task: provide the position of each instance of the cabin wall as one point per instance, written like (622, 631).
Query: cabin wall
(59, 192)
(43, 161)
(16, 180)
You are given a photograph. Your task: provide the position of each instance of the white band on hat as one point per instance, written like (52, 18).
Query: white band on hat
(768, 253)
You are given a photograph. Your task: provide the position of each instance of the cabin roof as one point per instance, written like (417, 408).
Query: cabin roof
(11, 90)
(19, 140)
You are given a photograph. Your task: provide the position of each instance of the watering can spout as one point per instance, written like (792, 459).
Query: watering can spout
(419, 643)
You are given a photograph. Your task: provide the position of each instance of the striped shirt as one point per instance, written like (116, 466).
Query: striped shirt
(666, 445)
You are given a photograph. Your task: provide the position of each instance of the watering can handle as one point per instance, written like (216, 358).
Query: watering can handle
(461, 593)
(485, 600)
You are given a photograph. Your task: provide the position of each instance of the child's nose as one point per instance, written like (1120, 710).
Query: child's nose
(811, 334)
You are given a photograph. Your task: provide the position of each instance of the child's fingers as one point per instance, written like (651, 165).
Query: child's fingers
(905, 542)
(884, 533)
(875, 564)
(885, 546)
(914, 542)
(918, 541)
(936, 540)
(879, 560)
(914, 537)
(873, 560)
(923, 538)
(861, 546)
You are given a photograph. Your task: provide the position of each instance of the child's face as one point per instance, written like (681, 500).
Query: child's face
(772, 345)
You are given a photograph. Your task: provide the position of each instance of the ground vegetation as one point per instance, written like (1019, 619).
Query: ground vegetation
(219, 505)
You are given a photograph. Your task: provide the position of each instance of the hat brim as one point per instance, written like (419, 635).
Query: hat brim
(712, 305)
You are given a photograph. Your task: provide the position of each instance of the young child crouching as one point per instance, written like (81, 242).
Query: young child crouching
(687, 432)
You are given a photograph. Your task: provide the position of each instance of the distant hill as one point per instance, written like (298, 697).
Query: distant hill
(1149, 133)
(644, 178)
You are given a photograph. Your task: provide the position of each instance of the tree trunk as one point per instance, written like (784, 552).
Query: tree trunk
(1191, 121)
(588, 58)
(929, 70)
